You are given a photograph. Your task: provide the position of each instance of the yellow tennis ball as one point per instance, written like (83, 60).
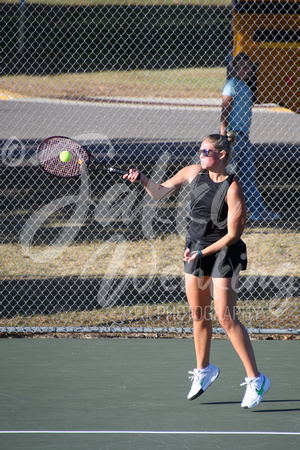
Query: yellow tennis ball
(65, 156)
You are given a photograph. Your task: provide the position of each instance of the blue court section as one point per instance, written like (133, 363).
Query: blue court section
(131, 394)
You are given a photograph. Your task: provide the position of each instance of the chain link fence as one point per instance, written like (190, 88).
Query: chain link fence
(140, 85)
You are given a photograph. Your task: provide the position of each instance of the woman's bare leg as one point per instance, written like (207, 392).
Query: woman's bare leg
(198, 291)
(225, 298)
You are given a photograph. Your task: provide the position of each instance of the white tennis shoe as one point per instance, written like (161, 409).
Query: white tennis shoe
(202, 378)
(256, 388)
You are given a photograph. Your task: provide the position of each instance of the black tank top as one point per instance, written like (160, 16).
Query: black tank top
(208, 208)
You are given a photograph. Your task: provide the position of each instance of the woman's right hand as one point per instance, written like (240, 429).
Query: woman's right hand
(134, 175)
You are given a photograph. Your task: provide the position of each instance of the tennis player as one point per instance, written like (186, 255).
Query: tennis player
(213, 257)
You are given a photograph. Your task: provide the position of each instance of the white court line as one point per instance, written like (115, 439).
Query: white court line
(268, 433)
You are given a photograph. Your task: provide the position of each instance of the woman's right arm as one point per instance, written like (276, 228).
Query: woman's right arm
(167, 188)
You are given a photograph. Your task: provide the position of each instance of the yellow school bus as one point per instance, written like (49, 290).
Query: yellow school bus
(268, 31)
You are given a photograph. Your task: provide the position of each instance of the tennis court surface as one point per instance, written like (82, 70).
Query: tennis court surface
(131, 394)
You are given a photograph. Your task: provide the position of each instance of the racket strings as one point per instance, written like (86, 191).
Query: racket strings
(49, 157)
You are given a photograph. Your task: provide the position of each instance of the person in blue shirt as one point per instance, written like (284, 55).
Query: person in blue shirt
(236, 115)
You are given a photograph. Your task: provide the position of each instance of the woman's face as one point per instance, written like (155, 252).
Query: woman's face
(209, 156)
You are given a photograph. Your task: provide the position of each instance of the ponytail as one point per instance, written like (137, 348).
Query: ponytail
(231, 136)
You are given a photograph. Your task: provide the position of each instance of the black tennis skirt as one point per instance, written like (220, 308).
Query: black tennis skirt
(224, 264)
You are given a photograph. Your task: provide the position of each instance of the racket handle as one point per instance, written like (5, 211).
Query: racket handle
(120, 171)
(117, 170)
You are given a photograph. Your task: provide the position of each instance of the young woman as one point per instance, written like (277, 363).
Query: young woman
(213, 257)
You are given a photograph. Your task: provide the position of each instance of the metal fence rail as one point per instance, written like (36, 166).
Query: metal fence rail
(139, 85)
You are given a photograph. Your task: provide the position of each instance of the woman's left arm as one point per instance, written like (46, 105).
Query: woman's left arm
(236, 220)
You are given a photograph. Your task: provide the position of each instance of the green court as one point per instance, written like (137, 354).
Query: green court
(131, 394)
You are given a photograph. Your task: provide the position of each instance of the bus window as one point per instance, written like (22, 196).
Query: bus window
(268, 31)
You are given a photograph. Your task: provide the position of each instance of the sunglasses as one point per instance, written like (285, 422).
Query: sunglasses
(206, 152)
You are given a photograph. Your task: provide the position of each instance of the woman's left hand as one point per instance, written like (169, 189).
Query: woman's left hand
(190, 256)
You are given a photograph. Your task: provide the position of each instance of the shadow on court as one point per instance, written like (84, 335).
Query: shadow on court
(131, 394)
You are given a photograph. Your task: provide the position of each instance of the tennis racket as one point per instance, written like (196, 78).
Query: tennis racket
(79, 161)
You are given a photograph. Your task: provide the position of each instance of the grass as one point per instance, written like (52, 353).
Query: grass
(181, 83)
(270, 254)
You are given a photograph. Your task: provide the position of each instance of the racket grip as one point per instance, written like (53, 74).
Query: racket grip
(120, 171)
(117, 170)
